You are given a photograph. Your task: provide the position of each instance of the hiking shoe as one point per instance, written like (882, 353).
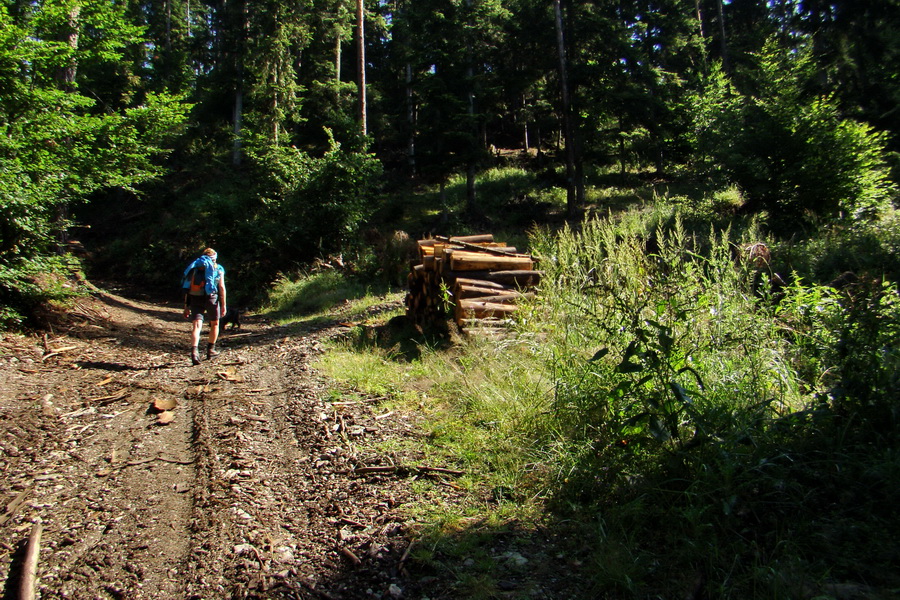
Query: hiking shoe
(195, 356)
(211, 352)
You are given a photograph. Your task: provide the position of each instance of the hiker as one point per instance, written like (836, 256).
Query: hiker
(204, 294)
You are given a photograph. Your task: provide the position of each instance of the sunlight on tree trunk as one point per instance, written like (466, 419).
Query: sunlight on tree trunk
(471, 206)
(526, 145)
(361, 61)
(275, 120)
(66, 77)
(337, 58)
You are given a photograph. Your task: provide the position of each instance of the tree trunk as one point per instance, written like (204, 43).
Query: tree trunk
(66, 80)
(724, 42)
(361, 61)
(238, 123)
(471, 206)
(445, 210)
(699, 18)
(337, 59)
(571, 201)
(276, 123)
(526, 143)
(168, 26)
(238, 114)
(66, 75)
(410, 121)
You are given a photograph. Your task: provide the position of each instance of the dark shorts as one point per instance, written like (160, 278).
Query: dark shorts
(204, 305)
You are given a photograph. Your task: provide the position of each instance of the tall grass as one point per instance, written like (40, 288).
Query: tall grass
(658, 337)
(700, 416)
(692, 431)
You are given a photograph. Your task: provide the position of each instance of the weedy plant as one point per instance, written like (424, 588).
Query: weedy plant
(679, 344)
(699, 416)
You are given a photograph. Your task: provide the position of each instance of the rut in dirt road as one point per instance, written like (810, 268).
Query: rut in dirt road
(250, 491)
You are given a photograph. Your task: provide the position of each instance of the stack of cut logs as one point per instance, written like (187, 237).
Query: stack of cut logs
(479, 279)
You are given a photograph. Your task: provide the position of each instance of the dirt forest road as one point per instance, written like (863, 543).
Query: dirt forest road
(155, 479)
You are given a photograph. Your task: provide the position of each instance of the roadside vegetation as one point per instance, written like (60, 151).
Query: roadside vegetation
(692, 405)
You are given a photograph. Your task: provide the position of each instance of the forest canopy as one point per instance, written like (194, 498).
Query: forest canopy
(275, 129)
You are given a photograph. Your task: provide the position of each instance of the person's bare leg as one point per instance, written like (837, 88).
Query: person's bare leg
(196, 327)
(213, 336)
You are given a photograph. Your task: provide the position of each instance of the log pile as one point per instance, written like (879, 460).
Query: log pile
(478, 280)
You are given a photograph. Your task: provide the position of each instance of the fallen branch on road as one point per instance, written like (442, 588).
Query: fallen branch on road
(422, 469)
(13, 506)
(29, 568)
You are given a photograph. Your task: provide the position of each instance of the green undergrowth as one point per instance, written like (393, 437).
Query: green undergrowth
(681, 421)
(317, 298)
(32, 290)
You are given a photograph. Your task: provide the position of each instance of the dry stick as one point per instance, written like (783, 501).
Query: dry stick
(440, 470)
(13, 506)
(29, 568)
(363, 470)
(420, 468)
(349, 554)
(350, 521)
(407, 551)
(400, 566)
(143, 461)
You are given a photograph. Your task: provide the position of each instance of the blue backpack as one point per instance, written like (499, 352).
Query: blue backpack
(195, 282)
(201, 277)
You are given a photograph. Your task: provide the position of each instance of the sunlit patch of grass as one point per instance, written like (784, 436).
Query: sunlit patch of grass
(473, 407)
(319, 298)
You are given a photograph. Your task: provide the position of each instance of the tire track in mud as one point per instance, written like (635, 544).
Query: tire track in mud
(104, 477)
(279, 511)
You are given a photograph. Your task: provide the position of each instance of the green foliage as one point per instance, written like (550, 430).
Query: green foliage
(57, 148)
(26, 285)
(277, 214)
(866, 248)
(790, 151)
(680, 426)
(300, 207)
(292, 297)
(681, 394)
(306, 294)
(675, 334)
(849, 343)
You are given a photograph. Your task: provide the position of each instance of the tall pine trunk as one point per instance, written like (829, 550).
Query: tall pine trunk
(724, 42)
(238, 118)
(571, 196)
(238, 115)
(410, 122)
(337, 60)
(66, 81)
(361, 61)
(471, 200)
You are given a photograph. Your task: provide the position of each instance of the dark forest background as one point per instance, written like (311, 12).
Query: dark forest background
(278, 131)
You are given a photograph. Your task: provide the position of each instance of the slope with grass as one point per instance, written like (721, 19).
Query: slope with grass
(684, 425)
